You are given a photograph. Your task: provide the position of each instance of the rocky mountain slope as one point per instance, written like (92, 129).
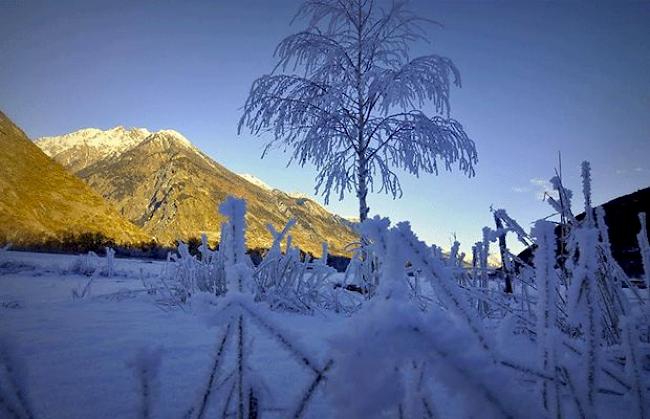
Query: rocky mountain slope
(40, 199)
(169, 188)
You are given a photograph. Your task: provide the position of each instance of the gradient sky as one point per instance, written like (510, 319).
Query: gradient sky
(538, 78)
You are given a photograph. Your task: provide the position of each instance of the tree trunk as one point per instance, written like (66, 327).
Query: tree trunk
(362, 188)
(362, 161)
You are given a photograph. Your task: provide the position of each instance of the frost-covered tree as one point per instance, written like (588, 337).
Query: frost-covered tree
(346, 97)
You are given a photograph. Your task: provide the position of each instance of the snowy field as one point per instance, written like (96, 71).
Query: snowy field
(76, 353)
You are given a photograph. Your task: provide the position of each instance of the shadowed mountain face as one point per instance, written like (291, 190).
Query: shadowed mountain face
(39, 199)
(622, 219)
(172, 190)
(623, 225)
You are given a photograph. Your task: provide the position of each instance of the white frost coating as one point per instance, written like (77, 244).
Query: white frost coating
(633, 366)
(584, 311)
(279, 236)
(547, 289)
(237, 263)
(400, 245)
(602, 229)
(445, 287)
(110, 262)
(563, 204)
(513, 226)
(396, 354)
(235, 228)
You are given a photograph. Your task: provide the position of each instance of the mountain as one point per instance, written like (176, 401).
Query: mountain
(40, 199)
(169, 188)
(82, 148)
(622, 219)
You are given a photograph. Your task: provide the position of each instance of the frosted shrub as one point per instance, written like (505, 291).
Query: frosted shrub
(286, 282)
(237, 264)
(283, 280)
(85, 264)
(362, 272)
(210, 275)
(184, 272)
(410, 351)
(214, 270)
(547, 316)
(90, 264)
(204, 272)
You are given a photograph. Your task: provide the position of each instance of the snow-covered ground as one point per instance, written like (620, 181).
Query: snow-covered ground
(428, 343)
(76, 352)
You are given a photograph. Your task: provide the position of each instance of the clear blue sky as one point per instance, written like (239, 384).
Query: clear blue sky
(538, 78)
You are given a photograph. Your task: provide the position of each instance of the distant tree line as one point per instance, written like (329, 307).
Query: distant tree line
(340, 263)
(70, 243)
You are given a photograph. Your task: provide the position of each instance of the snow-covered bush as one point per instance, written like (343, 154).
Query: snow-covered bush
(237, 264)
(85, 264)
(90, 263)
(398, 362)
(286, 282)
(213, 271)
(362, 273)
(283, 279)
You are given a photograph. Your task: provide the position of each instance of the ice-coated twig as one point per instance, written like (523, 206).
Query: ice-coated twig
(240, 367)
(318, 379)
(638, 392)
(547, 313)
(146, 367)
(439, 277)
(226, 405)
(218, 357)
(283, 340)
